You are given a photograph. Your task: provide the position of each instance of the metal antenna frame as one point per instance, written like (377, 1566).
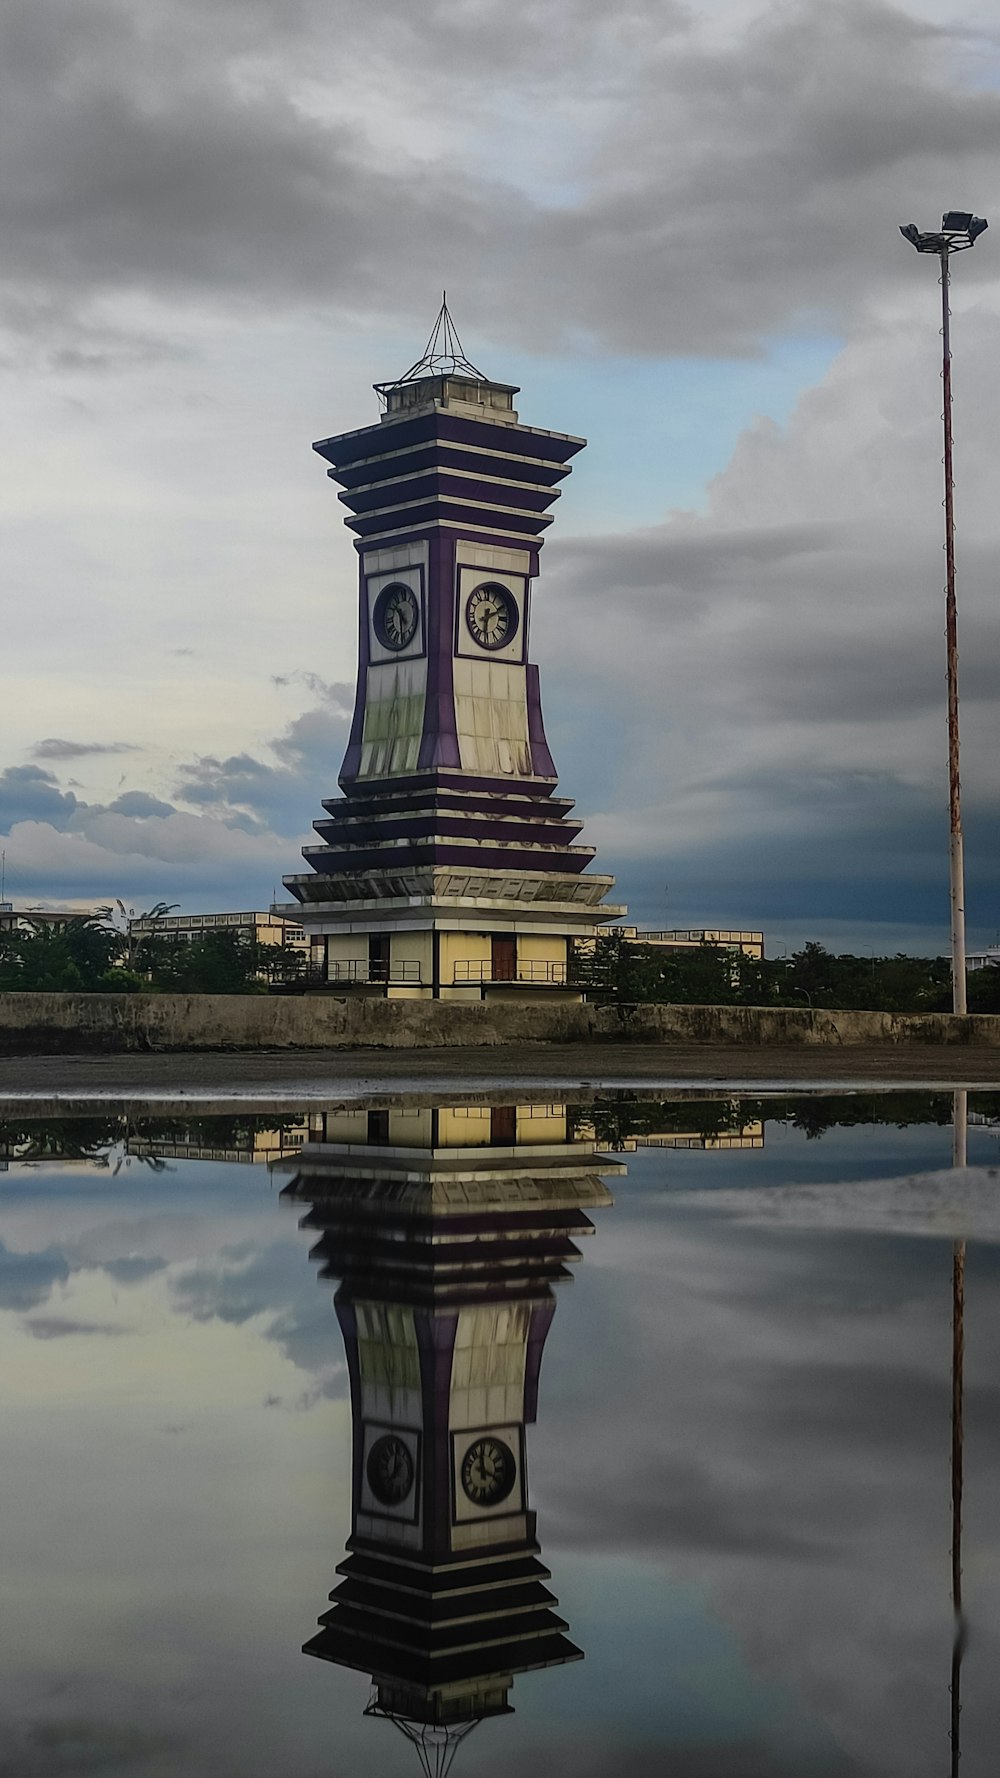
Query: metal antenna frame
(443, 355)
(436, 1744)
(959, 231)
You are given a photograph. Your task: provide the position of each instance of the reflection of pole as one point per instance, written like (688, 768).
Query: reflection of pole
(957, 1426)
(959, 1153)
(956, 859)
(960, 1129)
(957, 1431)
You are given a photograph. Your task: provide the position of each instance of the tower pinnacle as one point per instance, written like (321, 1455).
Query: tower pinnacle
(443, 355)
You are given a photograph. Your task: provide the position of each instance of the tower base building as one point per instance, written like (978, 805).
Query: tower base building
(448, 869)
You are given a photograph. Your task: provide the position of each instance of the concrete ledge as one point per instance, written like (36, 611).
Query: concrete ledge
(47, 1024)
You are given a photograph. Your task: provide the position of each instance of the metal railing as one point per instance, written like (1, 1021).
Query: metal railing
(405, 972)
(474, 970)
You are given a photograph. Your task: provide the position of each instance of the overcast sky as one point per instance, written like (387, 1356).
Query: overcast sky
(675, 226)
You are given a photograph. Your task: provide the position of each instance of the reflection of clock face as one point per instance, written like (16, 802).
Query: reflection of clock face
(395, 616)
(488, 1472)
(491, 614)
(389, 1470)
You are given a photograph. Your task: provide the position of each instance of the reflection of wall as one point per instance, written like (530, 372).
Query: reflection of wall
(447, 1229)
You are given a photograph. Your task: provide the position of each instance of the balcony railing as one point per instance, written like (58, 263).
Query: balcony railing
(379, 974)
(469, 970)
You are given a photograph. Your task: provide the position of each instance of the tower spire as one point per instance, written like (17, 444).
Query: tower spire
(443, 354)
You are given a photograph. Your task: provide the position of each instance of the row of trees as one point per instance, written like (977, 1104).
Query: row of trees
(97, 955)
(710, 975)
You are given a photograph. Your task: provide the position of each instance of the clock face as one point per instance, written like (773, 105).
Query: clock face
(394, 619)
(491, 616)
(389, 1470)
(488, 1472)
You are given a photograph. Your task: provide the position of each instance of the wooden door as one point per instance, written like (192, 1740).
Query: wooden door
(503, 967)
(503, 1125)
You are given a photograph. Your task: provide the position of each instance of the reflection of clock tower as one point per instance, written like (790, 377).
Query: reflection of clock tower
(448, 868)
(447, 1229)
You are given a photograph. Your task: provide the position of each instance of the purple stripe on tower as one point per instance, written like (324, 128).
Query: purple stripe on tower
(541, 1321)
(439, 742)
(542, 763)
(347, 1316)
(352, 758)
(436, 1346)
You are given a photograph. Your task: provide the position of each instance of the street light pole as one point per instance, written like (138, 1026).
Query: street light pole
(959, 230)
(956, 854)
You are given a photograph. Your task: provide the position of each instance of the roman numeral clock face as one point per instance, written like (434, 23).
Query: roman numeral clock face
(491, 616)
(488, 1472)
(395, 616)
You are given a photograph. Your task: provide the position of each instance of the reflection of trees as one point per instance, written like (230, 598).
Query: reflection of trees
(618, 1117)
(61, 1139)
(612, 1119)
(92, 1138)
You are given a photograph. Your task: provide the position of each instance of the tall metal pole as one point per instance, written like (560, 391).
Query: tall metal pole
(956, 856)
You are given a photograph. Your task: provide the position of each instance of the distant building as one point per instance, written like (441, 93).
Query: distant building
(247, 928)
(987, 958)
(689, 938)
(245, 1147)
(14, 919)
(255, 928)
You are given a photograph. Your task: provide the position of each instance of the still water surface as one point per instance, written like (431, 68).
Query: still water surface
(689, 1513)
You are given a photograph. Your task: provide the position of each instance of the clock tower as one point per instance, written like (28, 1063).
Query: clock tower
(448, 867)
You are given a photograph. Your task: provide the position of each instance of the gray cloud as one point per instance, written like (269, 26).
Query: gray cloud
(285, 798)
(659, 188)
(28, 793)
(140, 844)
(764, 696)
(139, 805)
(58, 1327)
(132, 1268)
(746, 701)
(54, 748)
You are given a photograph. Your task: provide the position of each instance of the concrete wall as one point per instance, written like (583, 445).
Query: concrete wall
(46, 1023)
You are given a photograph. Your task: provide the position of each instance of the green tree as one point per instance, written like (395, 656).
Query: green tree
(216, 963)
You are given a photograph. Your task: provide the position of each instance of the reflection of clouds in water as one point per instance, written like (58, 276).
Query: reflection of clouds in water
(961, 1204)
(251, 1282)
(28, 1279)
(752, 1758)
(61, 1747)
(771, 1423)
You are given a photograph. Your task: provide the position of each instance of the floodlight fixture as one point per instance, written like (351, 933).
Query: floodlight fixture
(959, 231)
